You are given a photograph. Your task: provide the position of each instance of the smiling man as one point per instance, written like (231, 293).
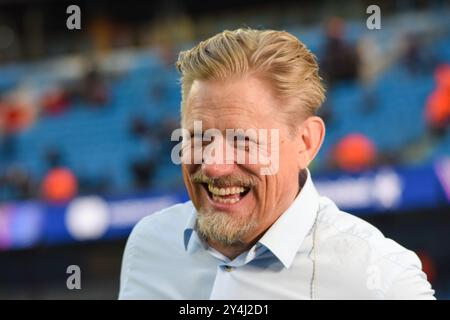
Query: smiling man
(258, 229)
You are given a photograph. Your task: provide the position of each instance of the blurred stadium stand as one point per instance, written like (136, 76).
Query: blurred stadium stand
(105, 112)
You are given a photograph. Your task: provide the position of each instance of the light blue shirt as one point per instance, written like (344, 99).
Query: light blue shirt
(313, 251)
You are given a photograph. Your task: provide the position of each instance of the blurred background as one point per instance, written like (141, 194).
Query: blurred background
(86, 117)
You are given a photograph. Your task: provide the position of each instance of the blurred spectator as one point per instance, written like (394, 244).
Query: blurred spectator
(372, 59)
(370, 100)
(163, 133)
(164, 91)
(355, 152)
(101, 183)
(7, 140)
(412, 56)
(417, 58)
(7, 146)
(326, 112)
(139, 127)
(159, 144)
(14, 116)
(143, 172)
(339, 58)
(157, 135)
(16, 183)
(93, 88)
(53, 157)
(55, 102)
(167, 54)
(59, 185)
(437, 109)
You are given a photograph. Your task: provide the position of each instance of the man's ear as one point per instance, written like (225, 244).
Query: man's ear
(311, 134)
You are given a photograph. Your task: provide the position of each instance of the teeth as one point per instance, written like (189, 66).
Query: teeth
(225, 191)
(225, 200)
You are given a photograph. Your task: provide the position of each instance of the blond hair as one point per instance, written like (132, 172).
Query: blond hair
(277, 56)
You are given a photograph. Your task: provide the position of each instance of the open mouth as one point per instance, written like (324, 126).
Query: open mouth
(226, 195)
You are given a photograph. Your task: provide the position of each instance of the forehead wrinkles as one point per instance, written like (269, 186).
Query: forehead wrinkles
(222, 115)
(225, 109)
(240, 109)
(238, 104)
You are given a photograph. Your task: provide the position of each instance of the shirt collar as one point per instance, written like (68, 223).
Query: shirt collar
(286, 235)
(189, 244)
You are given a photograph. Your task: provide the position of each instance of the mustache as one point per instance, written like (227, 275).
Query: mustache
(224, 182)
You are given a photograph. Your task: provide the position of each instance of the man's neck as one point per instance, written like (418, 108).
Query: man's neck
(230, 252)
(233, 251)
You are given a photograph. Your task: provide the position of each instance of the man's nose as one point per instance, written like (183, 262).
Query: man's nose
(218, 164)
(216, 170)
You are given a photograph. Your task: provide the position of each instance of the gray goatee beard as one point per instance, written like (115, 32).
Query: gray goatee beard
(223, 228)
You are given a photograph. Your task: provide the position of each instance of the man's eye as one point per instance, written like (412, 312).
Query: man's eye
(196, 139)
(242, 143)
(199, 141)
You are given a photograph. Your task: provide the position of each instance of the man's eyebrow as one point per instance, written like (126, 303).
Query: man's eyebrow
(245, 136)
(195, 134)
(236, 134)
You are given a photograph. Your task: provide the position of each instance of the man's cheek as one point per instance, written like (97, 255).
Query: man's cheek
(187, 181)
(194, 191)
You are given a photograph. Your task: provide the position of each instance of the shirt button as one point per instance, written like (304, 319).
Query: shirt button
(228, 268)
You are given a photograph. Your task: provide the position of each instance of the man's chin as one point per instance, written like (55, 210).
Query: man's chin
(219, 226)
(232, 214)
